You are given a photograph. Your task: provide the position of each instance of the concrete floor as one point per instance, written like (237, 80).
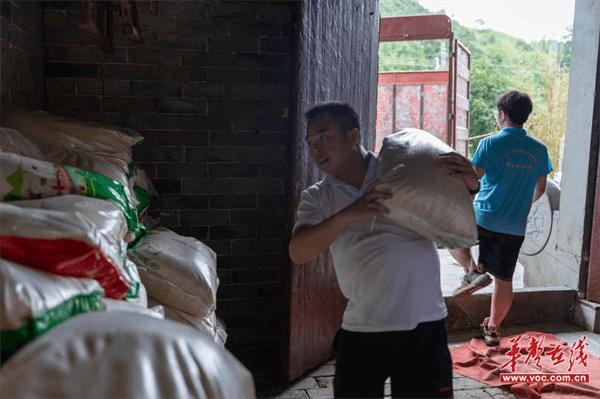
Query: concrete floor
(318, 384)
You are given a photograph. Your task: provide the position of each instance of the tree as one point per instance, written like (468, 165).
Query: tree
(549, 118)
(565, 49)
(499, 62)
(486, 86)
(401, 7)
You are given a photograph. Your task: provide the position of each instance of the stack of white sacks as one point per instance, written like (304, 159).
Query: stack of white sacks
(73, 242)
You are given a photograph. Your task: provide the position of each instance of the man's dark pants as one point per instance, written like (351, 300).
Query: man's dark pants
(417, 361)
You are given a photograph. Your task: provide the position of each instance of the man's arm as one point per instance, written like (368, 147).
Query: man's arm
(308, 242)
(540, 188)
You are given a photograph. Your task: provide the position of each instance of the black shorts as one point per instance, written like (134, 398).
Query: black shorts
(498, 252)
(418, 363)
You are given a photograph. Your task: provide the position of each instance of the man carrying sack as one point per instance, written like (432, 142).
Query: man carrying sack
(393, 325)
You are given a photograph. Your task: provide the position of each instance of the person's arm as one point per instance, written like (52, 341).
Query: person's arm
(540, 188)
(310, 241)
(479, 162)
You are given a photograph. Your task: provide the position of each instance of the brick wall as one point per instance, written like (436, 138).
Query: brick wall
(210, 91)
(21, 53)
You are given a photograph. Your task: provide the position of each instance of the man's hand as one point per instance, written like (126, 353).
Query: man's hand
(367, 206)
(460, 168)
(308, 242)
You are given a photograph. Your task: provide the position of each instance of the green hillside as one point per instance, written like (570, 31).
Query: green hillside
(499, 63)
(388, 8)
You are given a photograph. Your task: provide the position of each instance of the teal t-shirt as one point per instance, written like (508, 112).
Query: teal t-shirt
(512, 161)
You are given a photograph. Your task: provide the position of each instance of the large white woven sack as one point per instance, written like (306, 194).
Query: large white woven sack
(28, 292)
(33, 301)
(28, 178)
(124, 355)
(210, 325)
(88, 161)
(109, 142)
(143, 191)
(51, 150)
(113, 305)
(13, 141)
(69, 235)
(25, 177)
(180, 272)
(426, 199)
(100, 213)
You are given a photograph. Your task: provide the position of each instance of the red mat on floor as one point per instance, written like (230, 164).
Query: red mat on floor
(533, 352)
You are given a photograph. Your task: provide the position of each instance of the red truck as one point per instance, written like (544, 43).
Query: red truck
(435, 101)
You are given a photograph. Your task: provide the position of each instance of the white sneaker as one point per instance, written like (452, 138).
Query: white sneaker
(472, 281)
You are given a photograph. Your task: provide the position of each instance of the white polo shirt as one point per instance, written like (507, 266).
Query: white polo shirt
(390, 275)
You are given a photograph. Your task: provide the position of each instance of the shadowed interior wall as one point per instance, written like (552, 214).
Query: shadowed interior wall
(210, 91)
(21, 53)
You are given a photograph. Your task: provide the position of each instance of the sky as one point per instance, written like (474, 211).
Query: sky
(530, 20)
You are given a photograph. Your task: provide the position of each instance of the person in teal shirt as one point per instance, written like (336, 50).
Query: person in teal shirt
(513, 168)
